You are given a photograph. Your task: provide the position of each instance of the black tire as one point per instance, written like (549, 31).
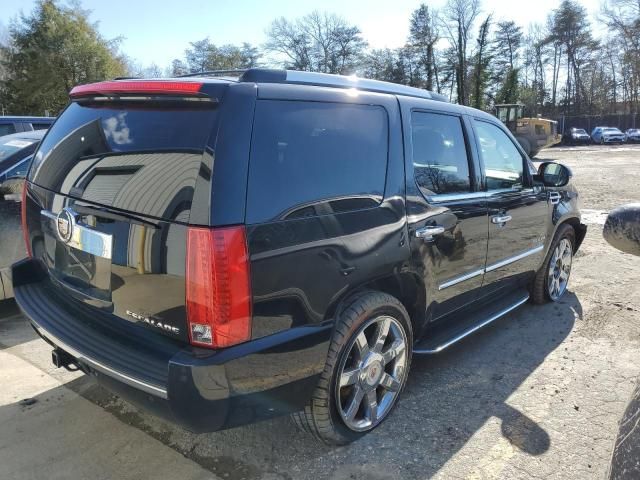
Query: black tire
(539, 289)
(321, 417)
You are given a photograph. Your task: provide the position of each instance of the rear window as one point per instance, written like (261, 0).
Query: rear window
(140, 157)
(312, 158)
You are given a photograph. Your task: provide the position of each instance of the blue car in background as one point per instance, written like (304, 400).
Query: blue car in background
(604, 135)
(9, 125)
(16, 152)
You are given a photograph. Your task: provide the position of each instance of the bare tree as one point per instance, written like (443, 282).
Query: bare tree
(622, 18)
(424, 34)
(571, 29)
(481, 60)
(318, 42)
(459, 16)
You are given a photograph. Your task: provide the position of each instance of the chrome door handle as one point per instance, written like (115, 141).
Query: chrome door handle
(427, 233)
(498, 219)
(554, 198)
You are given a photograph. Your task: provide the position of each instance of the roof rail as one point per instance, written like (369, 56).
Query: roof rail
(214, 73)
(265, 75)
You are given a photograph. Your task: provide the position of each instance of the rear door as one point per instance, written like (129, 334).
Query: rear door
(447, 213)
(518, 210)
(113, 187)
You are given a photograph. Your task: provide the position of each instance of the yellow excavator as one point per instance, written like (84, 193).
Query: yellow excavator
(533, 134)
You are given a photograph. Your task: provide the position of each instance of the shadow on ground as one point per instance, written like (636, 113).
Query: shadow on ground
(448, 398)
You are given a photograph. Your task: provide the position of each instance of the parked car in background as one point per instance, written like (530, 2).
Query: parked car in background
(576, 136)
(344, 226)
(16, 152)
(632, 135)
(9, 125)
(603, 135)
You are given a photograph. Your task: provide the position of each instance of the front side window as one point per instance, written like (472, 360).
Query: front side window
(440, 162)
(315, 158)
(503, 163)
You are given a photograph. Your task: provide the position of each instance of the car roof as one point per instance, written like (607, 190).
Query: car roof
(7, 119)
(312, 79)
(33, 135)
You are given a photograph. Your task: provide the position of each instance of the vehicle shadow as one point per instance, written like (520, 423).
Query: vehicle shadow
(10, 334)
(448, 398)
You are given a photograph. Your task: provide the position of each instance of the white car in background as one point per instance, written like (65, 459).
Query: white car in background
(632, 135)
(603, 135)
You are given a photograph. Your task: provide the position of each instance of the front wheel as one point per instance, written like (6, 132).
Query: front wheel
(552, 279)
(367, 367)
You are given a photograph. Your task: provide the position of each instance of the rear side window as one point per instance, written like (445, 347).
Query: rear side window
(6, 129)
(440, 162)
(143, 157)
(312, 158)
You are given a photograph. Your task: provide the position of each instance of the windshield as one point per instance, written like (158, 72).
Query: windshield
(612, 130)
(11, 146)
(579, 130)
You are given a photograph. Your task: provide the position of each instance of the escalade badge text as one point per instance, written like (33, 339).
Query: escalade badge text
(154, 323)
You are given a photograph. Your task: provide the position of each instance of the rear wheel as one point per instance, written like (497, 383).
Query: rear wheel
(367, 367)
(552, 279)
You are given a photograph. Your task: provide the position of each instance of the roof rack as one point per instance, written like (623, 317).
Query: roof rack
(265, 75)
(214, 73)
(268, 75)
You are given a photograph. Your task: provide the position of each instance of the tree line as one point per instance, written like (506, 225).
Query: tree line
(557, 67)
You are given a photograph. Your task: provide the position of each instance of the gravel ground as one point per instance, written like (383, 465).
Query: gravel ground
(537, 394)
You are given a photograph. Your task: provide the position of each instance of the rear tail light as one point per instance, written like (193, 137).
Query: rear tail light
(23, 214)
(218, 294)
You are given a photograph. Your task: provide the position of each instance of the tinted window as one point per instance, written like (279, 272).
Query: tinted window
(439, 155)
(40, 126)
(141, 157)
(503, 164)
(6, 129)
(311, 158)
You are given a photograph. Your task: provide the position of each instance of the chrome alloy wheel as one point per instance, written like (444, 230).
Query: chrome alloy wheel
(559, 269)
(372, 373)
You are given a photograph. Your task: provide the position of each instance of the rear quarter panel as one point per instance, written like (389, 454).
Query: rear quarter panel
(302, 268)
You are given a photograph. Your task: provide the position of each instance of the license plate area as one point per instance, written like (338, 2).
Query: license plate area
(77, 255)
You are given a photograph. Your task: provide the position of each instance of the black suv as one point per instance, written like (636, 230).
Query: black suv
(225, 250)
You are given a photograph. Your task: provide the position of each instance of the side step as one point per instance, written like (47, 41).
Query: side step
(460, 325)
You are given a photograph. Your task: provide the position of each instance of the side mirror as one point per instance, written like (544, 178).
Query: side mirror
(553, 174)
(622, 228)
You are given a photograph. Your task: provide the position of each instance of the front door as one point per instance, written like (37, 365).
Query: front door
(447, 215)
(518, 210)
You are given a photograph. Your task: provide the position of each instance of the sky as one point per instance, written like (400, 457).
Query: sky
(157, 31)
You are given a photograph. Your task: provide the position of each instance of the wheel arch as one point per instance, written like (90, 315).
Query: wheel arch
(407, 287)
(579, 228)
